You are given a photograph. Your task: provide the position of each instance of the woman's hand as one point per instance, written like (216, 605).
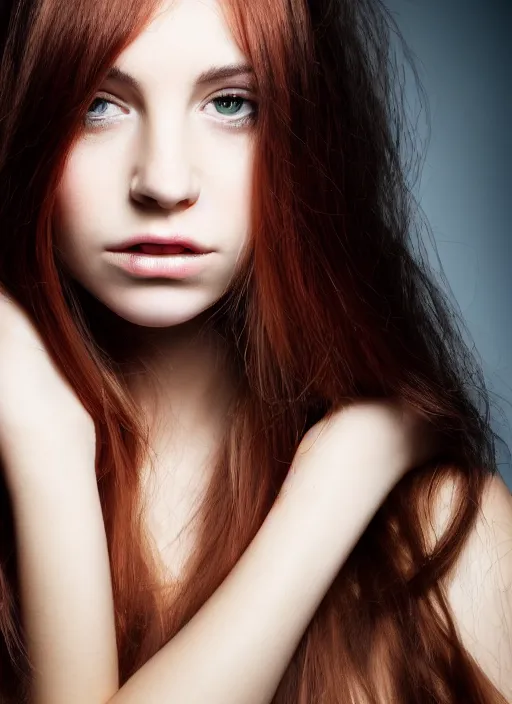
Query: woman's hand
(36, 402)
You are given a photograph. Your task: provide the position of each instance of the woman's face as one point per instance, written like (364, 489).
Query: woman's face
(169, 156)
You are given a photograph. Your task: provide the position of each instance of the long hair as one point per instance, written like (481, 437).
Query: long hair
(330, 303)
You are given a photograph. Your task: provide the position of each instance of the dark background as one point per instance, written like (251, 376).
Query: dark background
(463, 51)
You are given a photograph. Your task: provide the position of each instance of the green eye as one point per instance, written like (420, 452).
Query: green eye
(230, 103)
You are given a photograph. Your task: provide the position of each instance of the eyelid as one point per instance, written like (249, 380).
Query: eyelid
(236, 92)
(247, 88)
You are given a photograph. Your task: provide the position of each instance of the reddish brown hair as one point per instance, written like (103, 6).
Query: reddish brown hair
(330, 304)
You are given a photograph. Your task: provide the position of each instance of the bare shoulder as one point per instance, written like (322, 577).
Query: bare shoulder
(479, 591)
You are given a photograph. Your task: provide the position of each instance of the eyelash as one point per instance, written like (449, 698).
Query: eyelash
(102, 123)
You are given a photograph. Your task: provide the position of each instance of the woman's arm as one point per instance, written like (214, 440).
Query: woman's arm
(48, 449)
(237, 647)
(65, 582)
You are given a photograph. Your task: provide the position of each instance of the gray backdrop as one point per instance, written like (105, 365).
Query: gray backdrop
(463, 53)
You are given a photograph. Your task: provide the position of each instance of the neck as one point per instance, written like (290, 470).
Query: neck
(182, 378)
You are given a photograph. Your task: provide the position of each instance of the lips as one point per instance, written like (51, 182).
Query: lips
(160, 244)
(160, 249)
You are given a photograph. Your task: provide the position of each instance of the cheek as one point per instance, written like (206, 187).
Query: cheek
(225, 161)
(234, 191)
(71, 199)
(80, 200)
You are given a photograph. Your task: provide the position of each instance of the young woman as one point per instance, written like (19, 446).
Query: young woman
(257, 472)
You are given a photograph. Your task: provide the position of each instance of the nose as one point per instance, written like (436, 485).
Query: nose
(164, 171)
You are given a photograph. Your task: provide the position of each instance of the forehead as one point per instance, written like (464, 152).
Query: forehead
(183, 38)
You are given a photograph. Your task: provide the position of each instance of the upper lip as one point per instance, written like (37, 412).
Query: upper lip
(181, 240)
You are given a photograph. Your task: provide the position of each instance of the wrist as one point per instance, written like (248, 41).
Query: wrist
(41, 459)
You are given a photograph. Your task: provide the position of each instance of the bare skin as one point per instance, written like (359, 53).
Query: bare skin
(186, 424)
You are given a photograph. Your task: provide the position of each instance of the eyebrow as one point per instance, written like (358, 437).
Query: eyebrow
(215, 73)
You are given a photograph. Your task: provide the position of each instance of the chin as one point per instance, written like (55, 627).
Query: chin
(165, 317)
(147, 307)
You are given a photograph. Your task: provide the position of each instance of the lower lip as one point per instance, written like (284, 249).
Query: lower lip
(173, 266)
